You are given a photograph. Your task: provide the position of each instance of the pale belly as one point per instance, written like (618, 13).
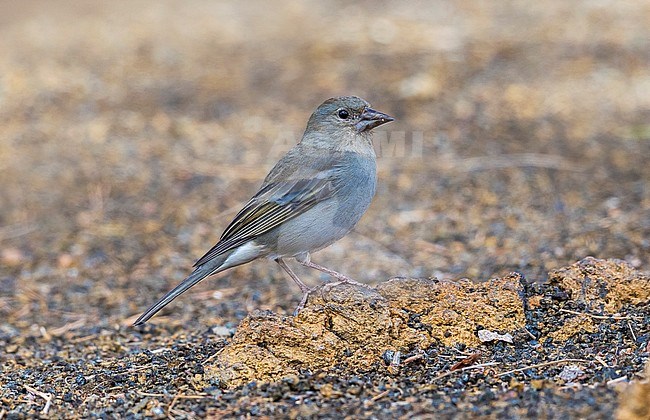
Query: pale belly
(322, 225)
(315, 229)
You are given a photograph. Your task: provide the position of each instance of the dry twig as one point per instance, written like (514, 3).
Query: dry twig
(380, 395)
(148, 394)
(482, 365)
(412, 358)
(554, 362)
(615, 317)
(601, 361)
(629, 325)
(466, 362)
(46, 397)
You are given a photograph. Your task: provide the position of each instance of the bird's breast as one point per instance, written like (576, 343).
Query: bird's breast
(357, 181)
(331, 219)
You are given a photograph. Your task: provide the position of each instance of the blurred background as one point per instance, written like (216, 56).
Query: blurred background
(132, 132)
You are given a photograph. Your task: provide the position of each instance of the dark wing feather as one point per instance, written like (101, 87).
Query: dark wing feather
(273, 205)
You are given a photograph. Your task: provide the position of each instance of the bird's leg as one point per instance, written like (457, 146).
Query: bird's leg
(340, 277)
(303, 287)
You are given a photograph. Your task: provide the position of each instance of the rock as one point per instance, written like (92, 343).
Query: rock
(354, 326)
(603, 285)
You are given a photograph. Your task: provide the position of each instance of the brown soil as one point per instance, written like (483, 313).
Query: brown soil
(350, 326)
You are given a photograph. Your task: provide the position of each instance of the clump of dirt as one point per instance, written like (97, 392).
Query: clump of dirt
(453, 311)
(634, 401)
(603, 285)
(352, 326)
(572, 326)
(591, 289)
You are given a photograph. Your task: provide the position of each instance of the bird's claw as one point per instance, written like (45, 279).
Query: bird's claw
(303, 301)
(325, 288)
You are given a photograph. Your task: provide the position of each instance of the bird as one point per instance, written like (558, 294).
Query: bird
(312, 197)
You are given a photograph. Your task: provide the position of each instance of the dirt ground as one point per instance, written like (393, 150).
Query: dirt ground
(131, 132)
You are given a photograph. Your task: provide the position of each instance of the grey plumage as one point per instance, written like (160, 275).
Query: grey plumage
(311, 198)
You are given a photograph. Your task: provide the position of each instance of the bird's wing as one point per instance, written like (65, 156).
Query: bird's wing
(273, 205)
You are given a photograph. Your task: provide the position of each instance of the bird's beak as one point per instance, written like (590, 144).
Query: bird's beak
(370, 119)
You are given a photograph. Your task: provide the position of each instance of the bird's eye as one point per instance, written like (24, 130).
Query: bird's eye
(344, 114)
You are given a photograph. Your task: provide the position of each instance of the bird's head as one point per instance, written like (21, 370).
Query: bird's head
(344, 118)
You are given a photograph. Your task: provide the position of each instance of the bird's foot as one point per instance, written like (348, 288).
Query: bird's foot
(344, 280)
(348, 280)
(340, 277)
(303, 301)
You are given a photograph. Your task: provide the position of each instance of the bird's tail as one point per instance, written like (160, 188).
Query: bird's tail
(212, 267)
